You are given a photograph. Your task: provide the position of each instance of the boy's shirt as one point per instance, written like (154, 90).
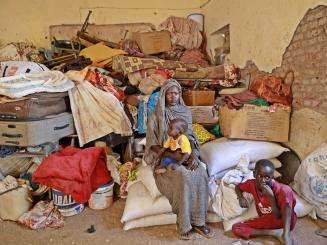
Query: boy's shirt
(283, 194)
(181, 142)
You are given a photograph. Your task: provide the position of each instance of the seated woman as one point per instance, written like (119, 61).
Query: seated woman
(187, 186)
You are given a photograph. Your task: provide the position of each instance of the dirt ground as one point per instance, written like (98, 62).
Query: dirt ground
(109, 231)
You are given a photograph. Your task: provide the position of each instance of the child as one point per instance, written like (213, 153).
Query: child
(274, 202)
(177, 144)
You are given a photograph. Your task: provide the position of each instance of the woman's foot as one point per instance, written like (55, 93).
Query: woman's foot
(204, 231)
(186, 236)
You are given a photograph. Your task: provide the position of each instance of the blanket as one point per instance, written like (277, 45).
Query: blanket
(96, 113)
(47, 81)
(75, 172)
(129, 64)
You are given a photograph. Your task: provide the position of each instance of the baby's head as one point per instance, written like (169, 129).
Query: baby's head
(264, 172)
(177, 127)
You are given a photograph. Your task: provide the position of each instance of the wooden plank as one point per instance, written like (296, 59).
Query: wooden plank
(109, 32)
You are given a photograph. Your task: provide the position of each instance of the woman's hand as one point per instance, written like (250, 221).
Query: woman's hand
(192, 163)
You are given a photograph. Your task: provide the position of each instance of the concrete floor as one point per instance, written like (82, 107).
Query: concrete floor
(109, 231)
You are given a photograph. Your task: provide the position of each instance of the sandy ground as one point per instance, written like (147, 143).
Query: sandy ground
(109, 231)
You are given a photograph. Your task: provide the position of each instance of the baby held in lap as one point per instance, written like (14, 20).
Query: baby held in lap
(176, 150)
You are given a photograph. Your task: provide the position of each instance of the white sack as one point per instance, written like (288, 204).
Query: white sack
(145, 175)
(225, 203)
(302, 207)
(310, 180)
(161, 219)
(223, 153)
(139, 203)
(249, 214)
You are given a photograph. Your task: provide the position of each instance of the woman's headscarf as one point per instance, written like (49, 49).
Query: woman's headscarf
(159, 121)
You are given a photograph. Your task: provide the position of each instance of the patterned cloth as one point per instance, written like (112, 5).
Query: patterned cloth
(183, 32)
(128, 64)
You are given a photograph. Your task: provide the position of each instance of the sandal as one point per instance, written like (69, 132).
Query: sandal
(321, 232)
(204, 231)
(186, 236)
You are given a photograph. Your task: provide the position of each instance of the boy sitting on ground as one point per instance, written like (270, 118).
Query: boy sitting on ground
(177, 145)
(274, 202)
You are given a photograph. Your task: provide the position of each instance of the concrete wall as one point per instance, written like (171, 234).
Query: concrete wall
(260, 29)
(29, 20)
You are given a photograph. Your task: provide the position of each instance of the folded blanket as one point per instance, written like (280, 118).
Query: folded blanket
(25, 84)
(73, 171)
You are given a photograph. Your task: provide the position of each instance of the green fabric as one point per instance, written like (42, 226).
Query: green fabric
(133, 175)
(216, 130)
(259, 102)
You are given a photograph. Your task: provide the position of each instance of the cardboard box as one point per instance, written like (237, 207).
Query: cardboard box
(32, 133)
(255, 123)
(153, 42)
(204, 114)
(199, 98)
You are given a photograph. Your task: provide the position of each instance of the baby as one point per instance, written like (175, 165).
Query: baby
(177, 148)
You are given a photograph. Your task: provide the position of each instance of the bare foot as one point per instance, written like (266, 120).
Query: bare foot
(286, 239)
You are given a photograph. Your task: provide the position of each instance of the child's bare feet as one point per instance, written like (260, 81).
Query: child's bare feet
(286, 239)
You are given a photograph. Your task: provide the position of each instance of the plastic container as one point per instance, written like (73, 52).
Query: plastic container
(72, 210)
(61, 200)
(102, 198)
(66, 204)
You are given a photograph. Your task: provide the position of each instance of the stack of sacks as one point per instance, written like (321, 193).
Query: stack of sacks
(310, 181)
(223, 154)
(145, 206)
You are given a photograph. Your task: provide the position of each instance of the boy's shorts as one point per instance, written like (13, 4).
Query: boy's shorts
(267, 221)
(167, 161)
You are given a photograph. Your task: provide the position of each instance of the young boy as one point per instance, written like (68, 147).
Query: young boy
(177, 144)
(274, 202)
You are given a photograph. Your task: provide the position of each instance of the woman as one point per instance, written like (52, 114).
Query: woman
(186, 187)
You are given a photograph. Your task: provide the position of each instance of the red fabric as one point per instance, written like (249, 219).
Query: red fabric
(194, 56)
(236, 101)
(104, 83)
(283, 194)
(73, 171)
(164, 73)
(273, 89)
(268, 221)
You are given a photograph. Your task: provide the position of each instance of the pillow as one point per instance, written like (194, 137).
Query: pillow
(224, 153)
(140, 204)
(145, 175)
(202, 134)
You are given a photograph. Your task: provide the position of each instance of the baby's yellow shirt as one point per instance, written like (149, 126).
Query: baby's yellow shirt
(181, 142)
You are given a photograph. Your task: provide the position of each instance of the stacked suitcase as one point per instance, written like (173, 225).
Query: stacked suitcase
(39, 118)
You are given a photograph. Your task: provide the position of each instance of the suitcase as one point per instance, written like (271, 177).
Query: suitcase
(33, 133)
(36, 106)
